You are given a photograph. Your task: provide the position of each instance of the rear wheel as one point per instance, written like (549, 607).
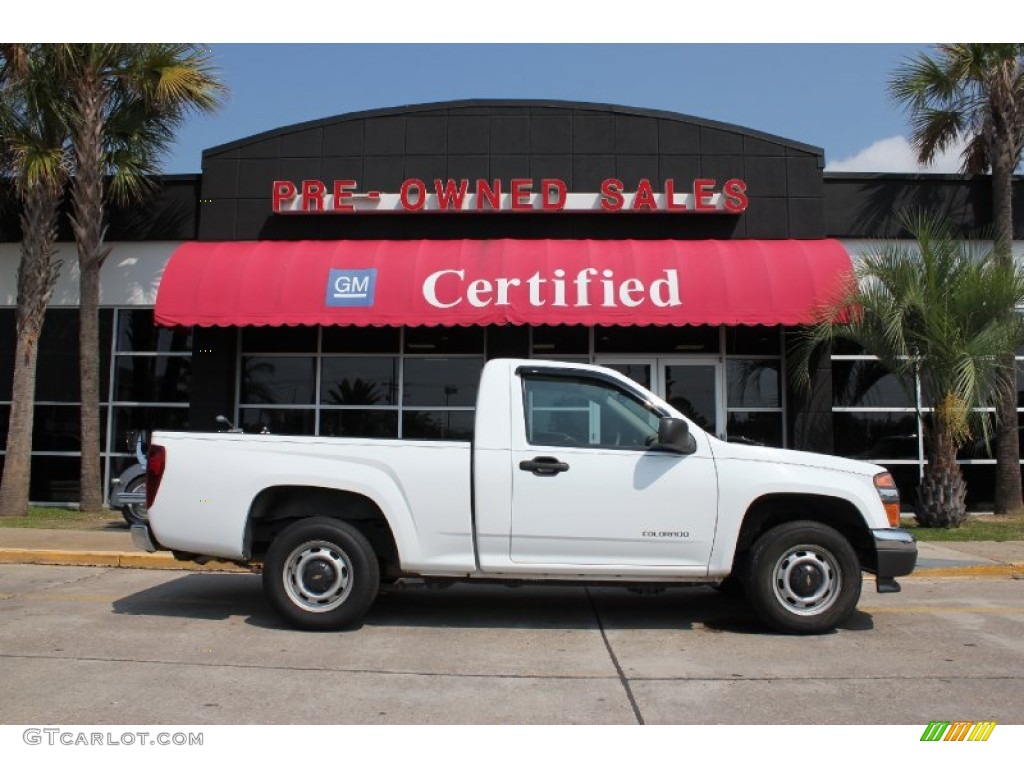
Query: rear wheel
(321, 574)
(803, 578)
(135, 512)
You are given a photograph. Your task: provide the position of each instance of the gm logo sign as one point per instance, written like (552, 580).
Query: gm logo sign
(351, 287)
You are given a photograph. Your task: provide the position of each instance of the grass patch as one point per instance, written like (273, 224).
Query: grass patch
(977, 528)
(67, 519)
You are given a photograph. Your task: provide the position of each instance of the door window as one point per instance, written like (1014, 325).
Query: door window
(566, 411)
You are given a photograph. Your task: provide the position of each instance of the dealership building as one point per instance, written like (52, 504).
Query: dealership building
(350, 277)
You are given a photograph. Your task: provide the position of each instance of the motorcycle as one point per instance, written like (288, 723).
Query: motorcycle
(128, 491)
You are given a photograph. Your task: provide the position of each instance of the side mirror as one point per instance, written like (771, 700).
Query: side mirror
(674, 435)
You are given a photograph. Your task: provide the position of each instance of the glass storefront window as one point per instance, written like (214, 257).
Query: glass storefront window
(439, 381)
(753, 340)
(552, 340)
(444, 341)
(755, 428)
(278, 421)
(438, 425)
(278, 380)
(359, 423)
(687, 340)
(754, 383)
(867, 384)
(153, 379)
(359, 381)
(136, 332)
(875, 436)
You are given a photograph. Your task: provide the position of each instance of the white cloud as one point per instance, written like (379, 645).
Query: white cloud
(895, 155)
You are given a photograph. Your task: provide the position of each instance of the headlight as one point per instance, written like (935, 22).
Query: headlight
(890, 496)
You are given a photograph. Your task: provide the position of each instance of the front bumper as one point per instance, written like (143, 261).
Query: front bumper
(895, 555)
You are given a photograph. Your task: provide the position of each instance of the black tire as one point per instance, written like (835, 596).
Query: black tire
(135, 514)
(315, 552)
(803, 578)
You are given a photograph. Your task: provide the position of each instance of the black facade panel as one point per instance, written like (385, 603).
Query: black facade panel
(593, 135)
(220, 178)
(256, 177)
(384, 174)
(214, 352)
(169, 213)
(508, 167)
(766, 176)
(630, 169)
(253, 215)
(270, 147)
(682, 169)
(803, 177)
(715, 141)
(635, 135)
(469, 135)
(551, 167)
(301, 169)
(384, 136)
(588, 171)
(307, 143)
(720, 168)
(341, 168)
(760, 147)
(678, 138)
(469, 167)
(806, 218)
(217, 220)
(344, 138)
(767, 218)
(426, 135)
(510, 135)
(551, 135)
(426, 168)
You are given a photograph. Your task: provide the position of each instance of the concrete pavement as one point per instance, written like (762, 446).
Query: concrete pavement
(112, 547)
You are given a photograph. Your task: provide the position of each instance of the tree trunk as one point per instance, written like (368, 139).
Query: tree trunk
(942, 495)
(37, 274)
(1008, 479)
(87, 223)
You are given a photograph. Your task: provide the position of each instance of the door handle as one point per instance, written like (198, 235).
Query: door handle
(544, 466)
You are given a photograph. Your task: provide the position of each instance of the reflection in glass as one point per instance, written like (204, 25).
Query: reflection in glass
(136, 332)
(437, 425)
(638, 372)
(757, 428)
(876, 436)
(867, 383)
(359, 381)
(754, 383)
(277, 421)
(691, 390)
(278, 380)
(752, 340)
(439, 381)
(359, 423)
(153, 379)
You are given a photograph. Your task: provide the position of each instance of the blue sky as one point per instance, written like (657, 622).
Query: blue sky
(829, 95)
(800, 69)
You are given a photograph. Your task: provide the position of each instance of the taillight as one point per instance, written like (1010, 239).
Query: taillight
(156, 463)
(890, 496)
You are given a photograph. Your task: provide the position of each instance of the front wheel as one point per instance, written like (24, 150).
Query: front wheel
(321, 574)
(804, 578)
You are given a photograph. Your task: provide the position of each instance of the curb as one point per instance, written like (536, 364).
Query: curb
(163, 561)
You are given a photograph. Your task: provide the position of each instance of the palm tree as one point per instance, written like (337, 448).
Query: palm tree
(34, 155)
(975, 92)
(935, 312)
(127, 100)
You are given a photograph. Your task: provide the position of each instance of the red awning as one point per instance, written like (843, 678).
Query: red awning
(486, 282)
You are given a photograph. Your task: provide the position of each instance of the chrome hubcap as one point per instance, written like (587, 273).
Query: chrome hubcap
(318, 576)
(807, 580)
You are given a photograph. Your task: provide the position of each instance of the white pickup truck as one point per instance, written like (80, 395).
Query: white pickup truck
(575, 474)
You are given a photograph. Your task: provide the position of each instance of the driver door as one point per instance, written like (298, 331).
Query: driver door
(589, 491)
